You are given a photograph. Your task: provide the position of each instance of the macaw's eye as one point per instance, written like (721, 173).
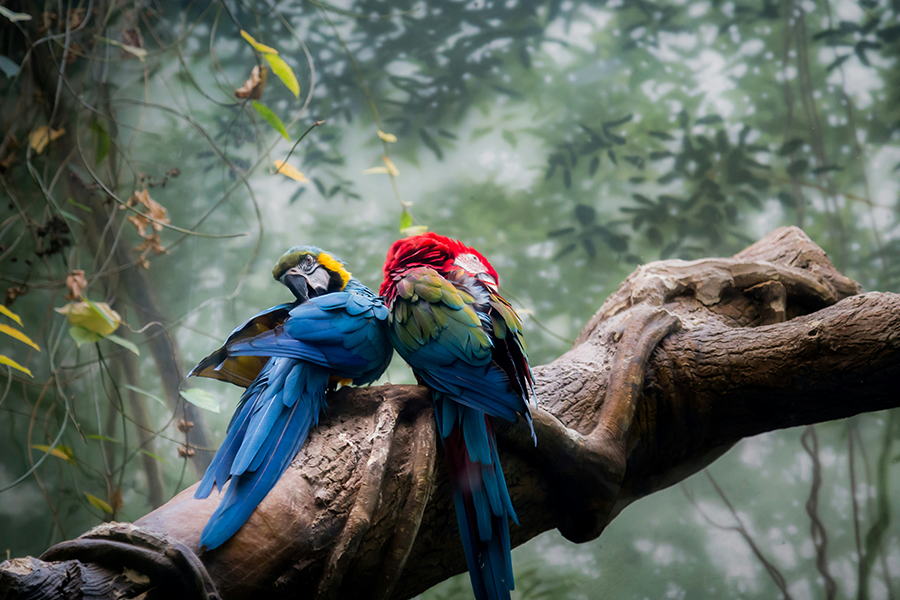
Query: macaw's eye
(309, 261)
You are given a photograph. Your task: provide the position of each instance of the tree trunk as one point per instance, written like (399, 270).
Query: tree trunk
(681, 362)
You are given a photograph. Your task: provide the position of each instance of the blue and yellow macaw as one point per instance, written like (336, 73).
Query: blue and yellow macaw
(287, 357)
(465, 342)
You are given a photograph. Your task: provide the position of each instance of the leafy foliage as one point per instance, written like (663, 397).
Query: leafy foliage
(569, 141)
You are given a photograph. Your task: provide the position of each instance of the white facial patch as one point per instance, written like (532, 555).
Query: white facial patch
(470, 263)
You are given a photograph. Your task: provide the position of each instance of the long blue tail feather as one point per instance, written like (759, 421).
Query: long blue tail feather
(480, 497)
(265, 434)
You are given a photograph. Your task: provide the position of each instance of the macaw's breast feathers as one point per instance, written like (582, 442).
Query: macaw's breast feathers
(242, 370)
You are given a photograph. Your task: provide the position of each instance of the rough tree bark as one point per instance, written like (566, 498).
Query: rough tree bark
(681, 362)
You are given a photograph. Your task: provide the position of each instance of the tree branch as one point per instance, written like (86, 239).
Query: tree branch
(681, 362)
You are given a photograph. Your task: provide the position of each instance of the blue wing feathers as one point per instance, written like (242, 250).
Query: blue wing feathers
(340, 334)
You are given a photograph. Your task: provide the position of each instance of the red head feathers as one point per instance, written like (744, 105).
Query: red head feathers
(431, 250)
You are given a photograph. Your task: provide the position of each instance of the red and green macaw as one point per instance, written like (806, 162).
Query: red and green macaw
(287, 357)
(465, 342)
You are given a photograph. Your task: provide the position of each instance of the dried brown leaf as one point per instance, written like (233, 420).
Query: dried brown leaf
(151, 243)
(253, 87)
(155, 211)
(76, 284)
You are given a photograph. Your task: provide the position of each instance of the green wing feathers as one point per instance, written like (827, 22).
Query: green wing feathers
(428, 307)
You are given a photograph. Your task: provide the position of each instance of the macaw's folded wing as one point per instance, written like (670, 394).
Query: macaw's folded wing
(242, 370)
(341, 331)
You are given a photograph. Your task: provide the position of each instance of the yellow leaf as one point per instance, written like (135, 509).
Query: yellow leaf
(284, 73)
(289, 170)
(18, 335)
(391, 167)
(260, 47)
(5, 360)
(96, 317)
(98, 503)
(388, 137)
(10, 314)
(42, 136)
(63, 452)
(376, 171)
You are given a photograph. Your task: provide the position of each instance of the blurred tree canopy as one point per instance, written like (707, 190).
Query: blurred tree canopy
(569, 141)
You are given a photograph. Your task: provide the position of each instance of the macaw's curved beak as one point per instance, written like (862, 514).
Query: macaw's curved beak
(306, 285)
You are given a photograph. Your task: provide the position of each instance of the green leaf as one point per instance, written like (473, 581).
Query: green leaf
(103, 438)
(271, 118)
(585, 214)
(80, 205)
(618, 122)
(790, 146)
(14, 16)
(69, 216)
(661, 135)
(151, 455)
(153, 397)
(124, 343)
(889, 34)
(405, 220)
(787, 199)
(798, 167)
(9, 68)
(559, 232)
(708, 120)
(101, 313)
(201, 398)
(98, 503)
(510, 137)
(83, 336)
(836, 63)
(480, 132)
(431, 144)
(284, 73)
(102, 143)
